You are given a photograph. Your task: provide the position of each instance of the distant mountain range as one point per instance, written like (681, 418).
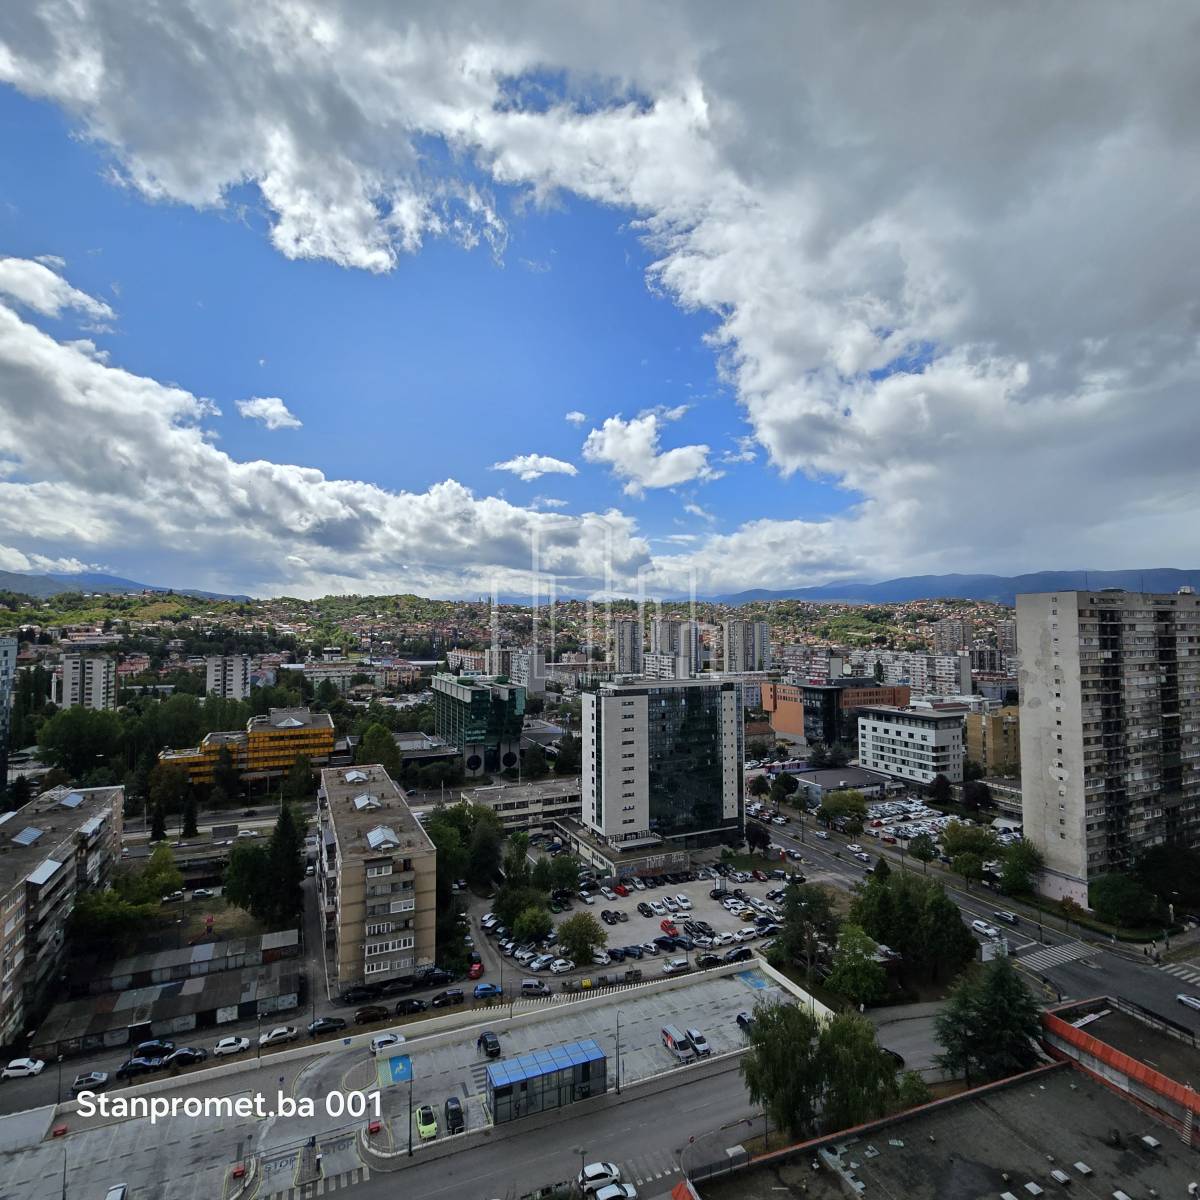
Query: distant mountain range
(43, 586)
(999, 589)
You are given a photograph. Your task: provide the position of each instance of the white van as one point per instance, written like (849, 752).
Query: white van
(677, 1043)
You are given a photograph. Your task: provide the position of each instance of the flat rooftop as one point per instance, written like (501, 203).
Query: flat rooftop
(370, 813)
(31, 834)
(962, 1148)
(503, 793)
(833, 777)
(1177, 1059)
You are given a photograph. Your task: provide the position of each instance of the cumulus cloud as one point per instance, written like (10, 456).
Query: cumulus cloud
(270, 410)
(931, 261)
(528, 467)
(576, 417)
(631, 450)
(35, 285)
(140, 476)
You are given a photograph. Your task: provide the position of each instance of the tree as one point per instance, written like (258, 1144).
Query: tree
(971, 770)
(1122, 900)
(246, 880)
(225, 775)
(299, 787)
(564, 872)
(945, 943)
(818, 756)
(514, 899)
(924, 849)
(882, 869)
(969, 866)
(483, 854)
(959, 838)
(532, 924)
(782, 1067)
(757, 837)
(783, 786)
(912, 1091)
(989, 1025)
(516, 859)
(581, 935)
(808, 921)
(286, 863)
(189, 829)
(859, 1078)
(856, 974)
(78, 739)
(542, 875)
(759, 786)
(533, 763)
(379, 746)
(938, 789)
(20, 792)
(169, 788)
(158, 823)
(848, 806)
(976, 794)
(1022, 862)
(105, 922)
(569, 755)
(326, 693)
(839, 756)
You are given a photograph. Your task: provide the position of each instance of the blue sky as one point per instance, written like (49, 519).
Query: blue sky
(454, 361)
(945, 310)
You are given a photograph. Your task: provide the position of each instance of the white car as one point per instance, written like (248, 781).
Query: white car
(600, 958)
(608, 893)
(618, 1191)
(671, 904)
(854, 847)
(1183, 998)
(281, 1033)
(649, 948)
(683, 901)
(989, 931)
(747, 934)
(19, 1068)
(723, 938)
(231, 1045)
(587, 897)
(822, 835)
(657, 908)
(540, 963)
(384, 1041)
(598, 1175)
(560, 966)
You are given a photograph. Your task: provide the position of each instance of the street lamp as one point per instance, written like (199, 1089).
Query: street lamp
(410, 1105)
(58, 1094)
(618, 1052)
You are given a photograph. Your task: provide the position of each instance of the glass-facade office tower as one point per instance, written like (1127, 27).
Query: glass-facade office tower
(663, 759)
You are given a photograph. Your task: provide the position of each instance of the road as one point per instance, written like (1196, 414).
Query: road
(1072, 963)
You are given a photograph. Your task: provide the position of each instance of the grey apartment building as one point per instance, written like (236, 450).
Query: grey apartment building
(1110, 729)
(377, 873)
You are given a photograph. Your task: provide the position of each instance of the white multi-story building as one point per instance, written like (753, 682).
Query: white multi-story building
(1006, 637)
(923, 674)
(952, 634)
(527, 667)
(678, 638)
(85, 681)
(747, 645)
(666, 666)
(228, 675)
(8, 668)
(911, 743)
(628, 636)
(662, 761)
(1109, 687)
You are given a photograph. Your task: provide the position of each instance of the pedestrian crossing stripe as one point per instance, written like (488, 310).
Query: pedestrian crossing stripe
(1181, 971)
(649, 1168)
(322, 1186)
(1053, 956)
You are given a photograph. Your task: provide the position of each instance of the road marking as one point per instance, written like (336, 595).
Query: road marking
(1053, 956)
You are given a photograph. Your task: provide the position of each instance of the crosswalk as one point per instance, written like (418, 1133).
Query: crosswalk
(323, 1186)
(1054, 956)
(647, 1168)
(1188, 972)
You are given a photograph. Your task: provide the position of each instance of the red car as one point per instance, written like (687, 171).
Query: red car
(620, 889)
(475, 970)
(761, 876)
(668, 927)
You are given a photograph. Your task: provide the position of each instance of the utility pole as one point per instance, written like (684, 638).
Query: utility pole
(618, 1051)
(410, 1105)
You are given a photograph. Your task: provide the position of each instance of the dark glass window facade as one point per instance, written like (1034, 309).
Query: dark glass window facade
(545, 1079)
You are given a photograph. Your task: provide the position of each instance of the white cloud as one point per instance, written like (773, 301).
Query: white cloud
(36, 286)
(744, 453)
(917, 296)
(576, 417)
(631, 450)
(528, 467)
(270, 410)
(140, 478)
(696, 511)
(547, 502)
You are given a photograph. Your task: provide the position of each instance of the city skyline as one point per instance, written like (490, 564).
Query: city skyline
(539, 287)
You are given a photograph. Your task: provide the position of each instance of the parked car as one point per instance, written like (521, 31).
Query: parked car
(326, 1025)
(406, 1008)
(617, 1191)
(488, 991)
(489, 1043)
(739, 954)
(202, 893)
(230, 1045)
(745, 1021)
(154, 1048)
(620, 889)
(280, 1034)
(357, 995)
(600, 958)
(705, 961)
(372, 1012)
(131, 1068)
(382, 1042)
(89, 1081)
(634, 951)
(447, 998)
(185, 1056)
(699, 1043)
(645, 909)
(433, 977)
(675, 966)
(587, 897)
(560, 966)
(456, 1120)
(427, 1126)
(172, 897)
(597, 1175)
(20, 1068)
(475, 970)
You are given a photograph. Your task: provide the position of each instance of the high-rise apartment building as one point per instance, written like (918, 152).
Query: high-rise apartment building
(482, 718)
(8, 676)
(628, 636)
(680, 639)
(527, 668)
(228, 675)
(377, 878)
(994, 740)
(663, 760)
(61, 844)
(952, 634)
(747, 645)
(911, 743)
(85, 681)
(1109, 687)
(1006, 637)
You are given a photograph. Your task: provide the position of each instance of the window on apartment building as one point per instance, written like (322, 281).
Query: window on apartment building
(376, 871)
(376, 968)
(379, 927)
